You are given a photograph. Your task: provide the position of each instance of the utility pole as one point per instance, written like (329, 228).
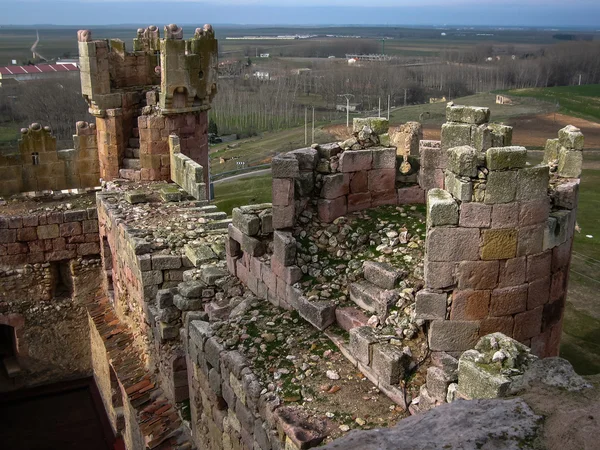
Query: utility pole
(389, 107)
(379, 107)
(405, 90)
(313, 126)
(579, 79)
(305, 126)
(347, 97)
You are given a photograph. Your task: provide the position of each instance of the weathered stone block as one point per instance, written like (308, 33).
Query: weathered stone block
(481, 137)
(437, 383)
(534, 212)
(508, 301)
(361, 344)
(371, 298)
(452, 335)
(187, 304)
(430, 305)
(499, 244)
(502, 158)
(329, 210)
(532, 182)
(379, 125)
(382, 179)
(539, 266)
(384, 158)
(528, 324)
(43, 232)
(478, 274)
(283, 216)
(389, 362)
(284, 247)
(453, 244)
(501, 187)
(285, 166)
(551, 151)
(252, 246)
(358, 202)
(470, 304)
(565, 195)
(379, 198)
(505, 215)
(282, 191)
(463, 161)
(455, 135)
(307, 158)
(335, 185)
(460, 188)
(381, 274)
(512, 272)
(467, 114)
(569, 163)
(476, 382)
(164, 262)
(247, 223)
(348, 318)
(538, 293)
(475, 215)
(411, 195)
(356, 160)
(501, 135)
(440, 275)
(441, 208)
(571, 137)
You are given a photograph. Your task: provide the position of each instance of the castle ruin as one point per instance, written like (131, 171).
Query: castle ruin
(437, 273)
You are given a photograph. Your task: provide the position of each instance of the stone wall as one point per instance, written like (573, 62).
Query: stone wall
(230, 408)
(44, 318)
(465, 125)
(336, 179)
(40, 166)
(186, 172)
(48, 237)
(498, 247)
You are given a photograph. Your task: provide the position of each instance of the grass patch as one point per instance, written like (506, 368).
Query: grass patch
(244, 191)
(579, 101)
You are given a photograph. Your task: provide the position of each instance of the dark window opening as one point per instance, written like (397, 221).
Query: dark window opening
(63, 279)
(35, 158)
(9, 366)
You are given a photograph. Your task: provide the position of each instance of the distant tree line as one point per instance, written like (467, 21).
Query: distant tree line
(54, 103)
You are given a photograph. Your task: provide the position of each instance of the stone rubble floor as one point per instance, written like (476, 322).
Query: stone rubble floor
(168, 226)
(305, 369)
(55, 202)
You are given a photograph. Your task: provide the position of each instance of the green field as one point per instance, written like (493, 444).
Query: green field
(579, 101)
(244, 191)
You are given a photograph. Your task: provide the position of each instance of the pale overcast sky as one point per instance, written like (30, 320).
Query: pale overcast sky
(546, 13)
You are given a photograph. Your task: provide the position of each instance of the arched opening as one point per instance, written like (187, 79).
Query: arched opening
(180, 96)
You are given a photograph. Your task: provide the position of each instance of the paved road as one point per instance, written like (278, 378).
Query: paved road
(243, 175)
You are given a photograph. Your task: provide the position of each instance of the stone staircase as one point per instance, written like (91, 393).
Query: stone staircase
(212, 218)
(376, 293)
(131, 167)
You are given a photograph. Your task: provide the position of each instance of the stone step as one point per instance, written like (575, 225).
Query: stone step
(130, 174)
(132, 152)
(131, 163)
(218, 224)
(383, 275)
(200, 209)
(214, 215)
(134, 142)
(372, 298)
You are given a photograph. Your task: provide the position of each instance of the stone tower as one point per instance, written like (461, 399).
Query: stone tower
(164, 87)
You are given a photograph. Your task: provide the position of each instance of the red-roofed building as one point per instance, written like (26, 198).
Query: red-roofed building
(39, 72)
